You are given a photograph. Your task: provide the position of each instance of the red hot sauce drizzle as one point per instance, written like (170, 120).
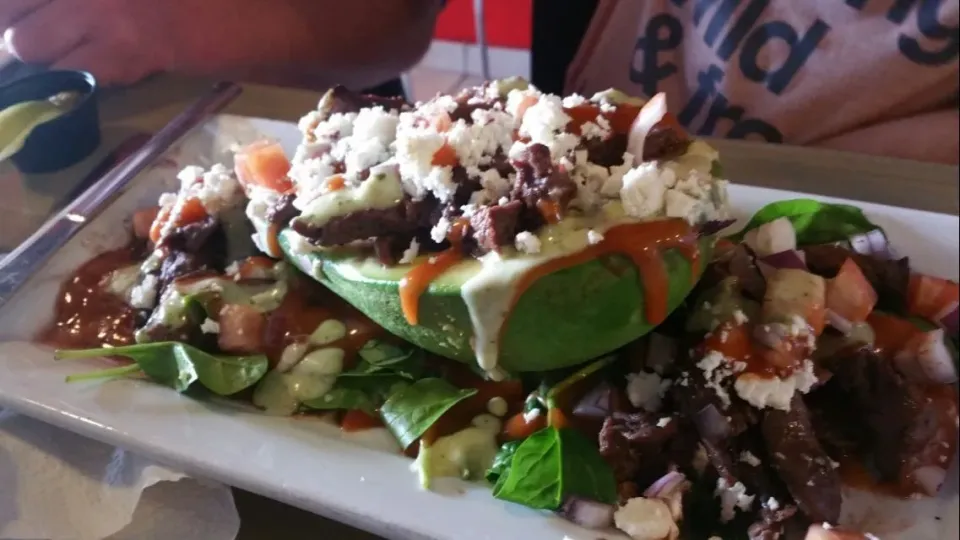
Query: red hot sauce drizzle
(87, 315)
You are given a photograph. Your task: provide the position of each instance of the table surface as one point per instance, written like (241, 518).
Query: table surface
(150, 105)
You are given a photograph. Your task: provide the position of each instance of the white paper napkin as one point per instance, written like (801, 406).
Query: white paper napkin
(55, 485)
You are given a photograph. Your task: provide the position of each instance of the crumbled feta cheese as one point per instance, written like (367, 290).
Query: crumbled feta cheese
(664, 422)
(732, 498)
(574, 100)
(440, 231)
(144, 294)
(715, 370)
(747, 457)
(646, 519)
(210, 326)
(544, 122)
(775, 392)
(771, 504)
(643, 191)
(217, 189)
(527, 242)
(593, 237)
(740, 317)
(681, 205)
(232, 269)
(167, 199)
(646, 390)
(710, 362)
(411, 252)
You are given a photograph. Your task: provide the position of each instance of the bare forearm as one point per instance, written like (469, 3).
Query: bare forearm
(309, 42)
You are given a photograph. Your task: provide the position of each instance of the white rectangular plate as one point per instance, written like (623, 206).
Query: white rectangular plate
(310, 464)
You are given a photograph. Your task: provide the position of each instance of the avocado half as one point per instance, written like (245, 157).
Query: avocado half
(565, 318)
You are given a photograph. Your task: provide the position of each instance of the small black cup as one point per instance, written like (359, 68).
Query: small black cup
(68, 138)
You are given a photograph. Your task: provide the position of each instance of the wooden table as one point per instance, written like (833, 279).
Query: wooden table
(150, 105)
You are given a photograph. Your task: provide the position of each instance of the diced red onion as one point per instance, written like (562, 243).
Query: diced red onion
(712, 424)
(873, 243)
(770, 238)
(650, 114)
(670, 489)
(843, 325)
(926, 359)
(597, 403)
(770, 335)
(747, 272)
(587, 513)
(930, 479)
(796, 260)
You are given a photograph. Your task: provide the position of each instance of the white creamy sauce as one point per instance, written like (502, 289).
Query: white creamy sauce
(382, 190)
(465, 454)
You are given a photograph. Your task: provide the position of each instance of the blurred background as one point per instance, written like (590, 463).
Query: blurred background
(455, 58)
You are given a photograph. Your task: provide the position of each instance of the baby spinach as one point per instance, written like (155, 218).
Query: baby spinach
(178, 365)
(553, 464)
(409, 412)
(815, 222)
(358, 393)
(501, 462)
(377, 357)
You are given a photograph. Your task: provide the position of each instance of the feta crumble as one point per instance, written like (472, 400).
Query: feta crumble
(750, 459)
(210, 326)
(775, 392)
(593, 237)
(411, 252)
(646, 390)
(527, 242)
(144, 294)
(732, 498)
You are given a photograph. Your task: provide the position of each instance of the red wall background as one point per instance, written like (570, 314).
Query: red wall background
(508, 23)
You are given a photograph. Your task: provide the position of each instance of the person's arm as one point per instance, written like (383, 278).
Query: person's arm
(289, 42)
(313, 43)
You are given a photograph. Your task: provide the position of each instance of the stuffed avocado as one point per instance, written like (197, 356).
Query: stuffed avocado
(516, 229)
(804, 341)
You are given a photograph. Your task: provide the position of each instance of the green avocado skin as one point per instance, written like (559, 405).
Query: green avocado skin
(565, 318)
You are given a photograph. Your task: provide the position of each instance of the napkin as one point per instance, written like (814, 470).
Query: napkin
(55, 485)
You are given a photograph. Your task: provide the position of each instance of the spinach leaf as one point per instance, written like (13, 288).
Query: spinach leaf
(815, 222)
(501, 462)
(553, 464)
(178, 365)
(409, 412)
(358, 393)
(377, 357)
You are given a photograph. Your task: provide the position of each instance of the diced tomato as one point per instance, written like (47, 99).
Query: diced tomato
(517, 427)
(241, 329)
(550, 210)
(358, 421)
(191, 211)
(143, 221)
(446, 156)
(622, 117)
(335, 183)
(264, 164)
(850, 295)
(255, 267)
(556, 418)
(891, 333)
(931, 297)
(731, 340)
(580, 115)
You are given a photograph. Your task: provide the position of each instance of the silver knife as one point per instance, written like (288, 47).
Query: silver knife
(23, 262)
